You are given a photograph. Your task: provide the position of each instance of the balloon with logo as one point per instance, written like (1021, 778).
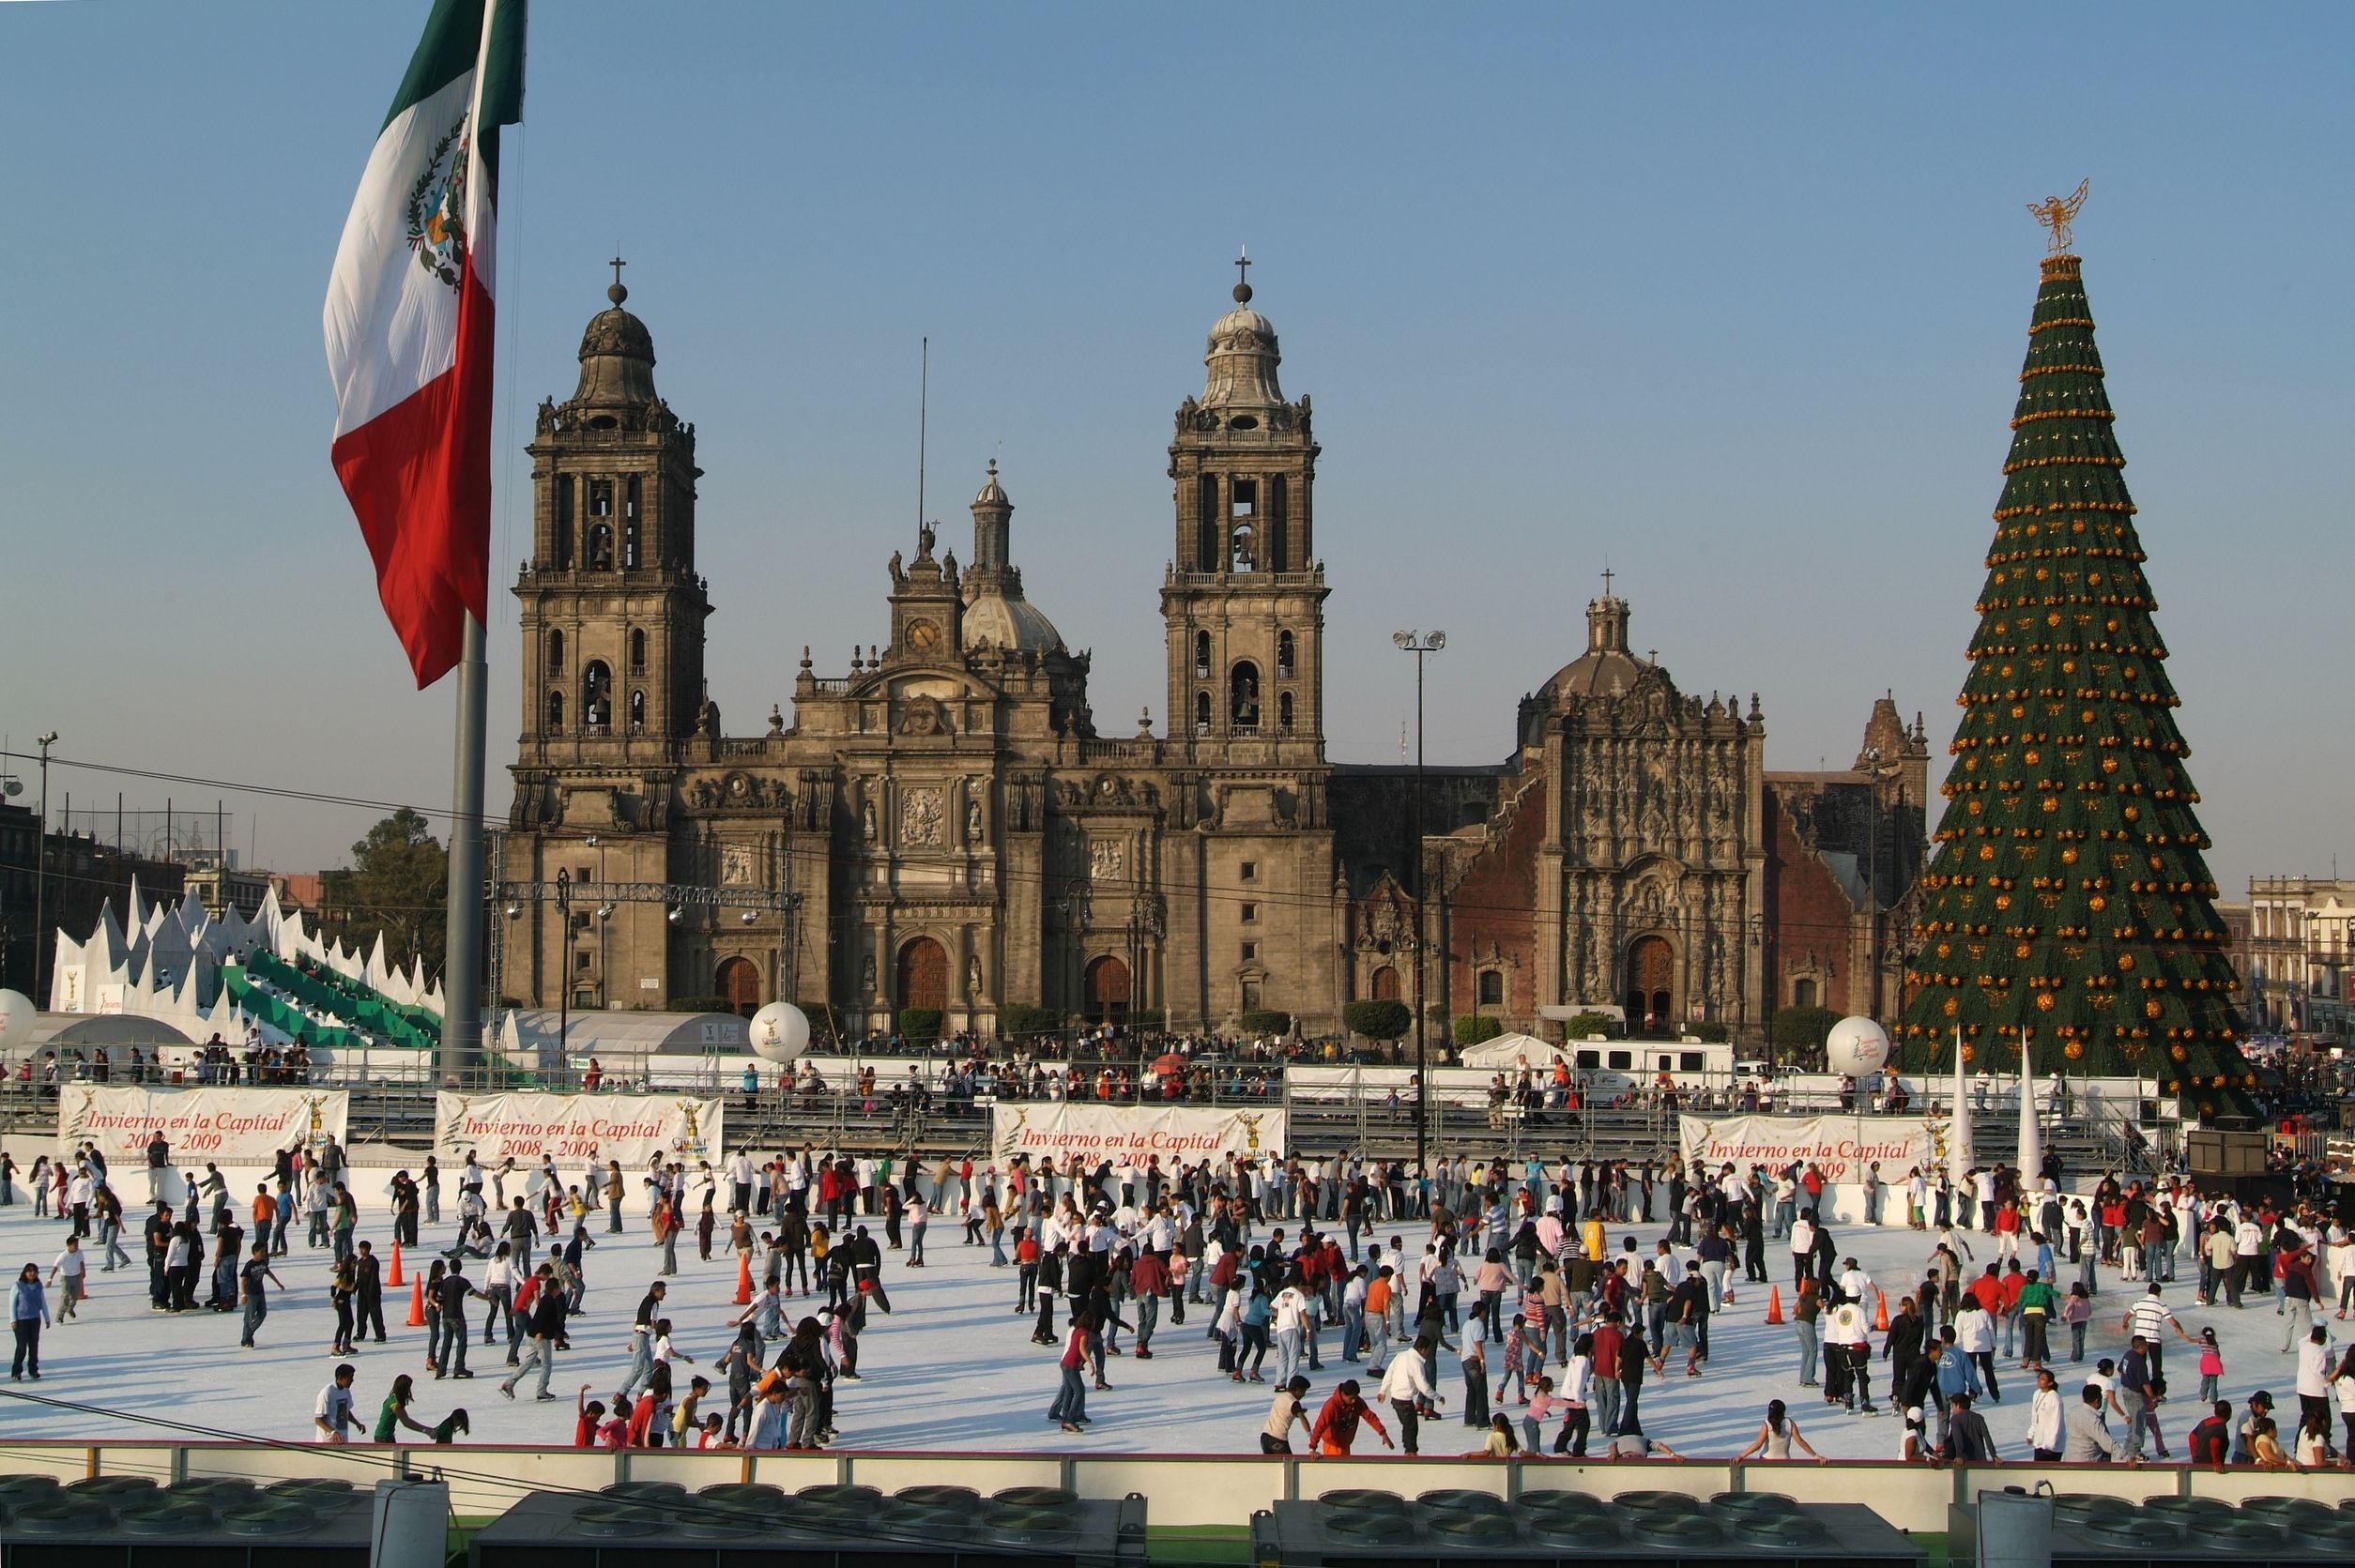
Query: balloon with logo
(780, 1032)
(1857, 1047)
(16, 1021)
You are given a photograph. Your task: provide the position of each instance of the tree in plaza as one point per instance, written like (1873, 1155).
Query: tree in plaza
(397, 886)
(2068, 901)
(1378, 1018)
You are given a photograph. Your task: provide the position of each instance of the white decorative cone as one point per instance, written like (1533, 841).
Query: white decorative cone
(2031, 1136)
(1958, 1147)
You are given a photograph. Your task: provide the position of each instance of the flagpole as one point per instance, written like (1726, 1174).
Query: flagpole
(462, 958)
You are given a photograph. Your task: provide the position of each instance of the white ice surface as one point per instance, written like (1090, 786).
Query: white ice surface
(952, 1368)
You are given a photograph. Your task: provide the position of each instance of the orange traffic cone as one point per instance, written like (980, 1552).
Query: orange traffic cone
(743, 1279)
(1880, 1311)
(417, 1302)
(1774, 1305)
(396, 1277)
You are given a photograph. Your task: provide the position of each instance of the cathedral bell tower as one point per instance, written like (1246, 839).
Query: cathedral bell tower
(612, 611)
(1244, 598)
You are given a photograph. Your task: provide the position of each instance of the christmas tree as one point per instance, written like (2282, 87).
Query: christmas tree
(2067, 903)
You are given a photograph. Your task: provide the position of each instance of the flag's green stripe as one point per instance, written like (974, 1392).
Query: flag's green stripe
(502, 87)
(453, 35)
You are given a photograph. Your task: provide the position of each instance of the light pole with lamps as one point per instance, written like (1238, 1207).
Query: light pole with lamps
(41, 943)
(1418, 644)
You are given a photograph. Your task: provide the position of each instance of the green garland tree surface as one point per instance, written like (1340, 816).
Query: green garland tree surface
(2067, 895)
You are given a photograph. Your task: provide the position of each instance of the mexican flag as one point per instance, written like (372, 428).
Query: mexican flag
(408, 328)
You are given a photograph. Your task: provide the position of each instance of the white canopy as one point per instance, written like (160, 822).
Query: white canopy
(1508, 1051)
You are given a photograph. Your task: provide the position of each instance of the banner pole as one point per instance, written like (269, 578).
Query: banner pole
(462, 960)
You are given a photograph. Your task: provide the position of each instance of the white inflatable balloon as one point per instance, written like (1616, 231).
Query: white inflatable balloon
(1858, 1046)
(16, 1020)
(780, 1032)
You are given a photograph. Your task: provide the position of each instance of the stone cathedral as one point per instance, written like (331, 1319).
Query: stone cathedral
(957, 834)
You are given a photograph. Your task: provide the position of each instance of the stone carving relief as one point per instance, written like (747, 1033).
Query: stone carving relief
(919, 819)
(1107, 860)
(736, 866)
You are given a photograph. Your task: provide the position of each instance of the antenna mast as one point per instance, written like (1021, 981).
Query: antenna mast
(923, 409)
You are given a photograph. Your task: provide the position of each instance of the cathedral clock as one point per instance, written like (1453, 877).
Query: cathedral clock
(923, 636)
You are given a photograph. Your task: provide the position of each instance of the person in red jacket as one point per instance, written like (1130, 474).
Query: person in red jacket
(1148, 1282)
(1336, 1427)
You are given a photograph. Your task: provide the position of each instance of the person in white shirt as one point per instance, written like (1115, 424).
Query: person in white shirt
(331, 1416)
(2318, 1366)
(2046, 1427)
(1803, 1248)
(1408, 1388)
(73, 1267)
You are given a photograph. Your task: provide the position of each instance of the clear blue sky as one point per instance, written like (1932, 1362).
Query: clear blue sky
(1735, 296)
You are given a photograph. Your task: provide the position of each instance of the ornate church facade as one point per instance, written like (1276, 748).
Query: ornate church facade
(954, 833)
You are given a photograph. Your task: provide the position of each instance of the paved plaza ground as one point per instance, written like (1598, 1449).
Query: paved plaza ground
(952, 1366)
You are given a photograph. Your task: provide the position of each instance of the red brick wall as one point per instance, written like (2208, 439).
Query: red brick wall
(1806, 912)
(1496, 905)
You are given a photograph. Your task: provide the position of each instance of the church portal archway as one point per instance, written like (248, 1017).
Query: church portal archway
(739, 980)
(1385, 986)
(1106, 991)
(1651, 986)
(923, 974)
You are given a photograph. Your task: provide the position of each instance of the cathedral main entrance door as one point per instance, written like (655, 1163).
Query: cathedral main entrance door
(740, 982)
(1651, 980)
(923, 974)
(1108, 991)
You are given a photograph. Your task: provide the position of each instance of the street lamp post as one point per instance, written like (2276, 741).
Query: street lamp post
(1413, 643)
(563, 961)
(41, 943)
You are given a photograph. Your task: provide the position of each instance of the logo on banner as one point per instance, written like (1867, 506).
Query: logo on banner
(690, 1141)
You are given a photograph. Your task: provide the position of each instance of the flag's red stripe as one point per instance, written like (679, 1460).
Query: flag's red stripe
(419, 478)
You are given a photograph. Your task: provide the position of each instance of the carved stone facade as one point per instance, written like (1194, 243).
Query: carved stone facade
(957, 832)
(959, 836)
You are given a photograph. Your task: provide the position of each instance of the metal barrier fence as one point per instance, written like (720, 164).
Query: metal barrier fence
(397, 1111)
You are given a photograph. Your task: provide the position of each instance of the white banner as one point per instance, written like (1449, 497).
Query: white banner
(1842, 1147)
(225, 1126)
(629, 1128)
(1080, 1130)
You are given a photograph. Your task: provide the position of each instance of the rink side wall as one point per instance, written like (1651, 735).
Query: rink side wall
(1181, 1490)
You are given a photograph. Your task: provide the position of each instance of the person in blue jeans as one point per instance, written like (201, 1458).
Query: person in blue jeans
(29, 1311)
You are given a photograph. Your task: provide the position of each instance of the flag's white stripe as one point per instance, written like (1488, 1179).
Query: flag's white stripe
(391, 327)
(481, 211)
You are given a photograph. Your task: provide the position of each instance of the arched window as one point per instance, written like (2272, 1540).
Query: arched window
(637, 713)
(1283, 711)
(596, 695)
(1283, 654)
(555, 652)
(556, 713)
(637, 650)
(1491, 988)
(1241, 559)
(600, 547)
(1201, 655)
(1202, 714)
(1802, 993)
(1243, 695)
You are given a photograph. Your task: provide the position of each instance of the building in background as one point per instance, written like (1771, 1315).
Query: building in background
(85, 875)
(961, 839)
(2301, 953)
